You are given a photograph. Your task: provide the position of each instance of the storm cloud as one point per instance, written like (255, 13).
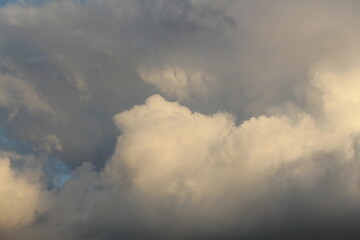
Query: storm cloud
(179, 119)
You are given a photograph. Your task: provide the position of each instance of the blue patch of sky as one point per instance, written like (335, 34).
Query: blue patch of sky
(32, 2)
(3, 138)
(5, 2)
(55, 170)
(13, 146)
(57, 173)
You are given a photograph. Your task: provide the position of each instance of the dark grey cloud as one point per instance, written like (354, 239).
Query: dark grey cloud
(83, 60)
(261, 143)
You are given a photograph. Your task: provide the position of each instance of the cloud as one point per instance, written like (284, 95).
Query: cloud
(179, 83)
(255, 133)
(20, 198)
(202, 170)
(16, 93)
(183, 174)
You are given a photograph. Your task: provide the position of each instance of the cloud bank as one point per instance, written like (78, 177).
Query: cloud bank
(179, 119)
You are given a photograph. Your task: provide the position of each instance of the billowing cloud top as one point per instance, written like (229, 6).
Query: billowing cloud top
(179, 119)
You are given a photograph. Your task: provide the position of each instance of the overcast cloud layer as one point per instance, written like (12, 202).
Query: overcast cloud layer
(179, 119)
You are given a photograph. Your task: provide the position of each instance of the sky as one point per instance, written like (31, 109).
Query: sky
(179, 119)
